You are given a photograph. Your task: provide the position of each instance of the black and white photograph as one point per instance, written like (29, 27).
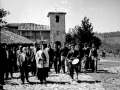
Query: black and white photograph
(59, 44)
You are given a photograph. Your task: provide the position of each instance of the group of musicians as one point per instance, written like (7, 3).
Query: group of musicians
(42, 59)
(77, 54)
(64, 57)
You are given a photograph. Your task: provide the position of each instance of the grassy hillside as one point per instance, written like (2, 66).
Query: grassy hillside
(113, 40)
(110, 41)
(110, 38)
(99, 36)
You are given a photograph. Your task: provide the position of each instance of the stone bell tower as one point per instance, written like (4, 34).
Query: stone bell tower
(57, 26)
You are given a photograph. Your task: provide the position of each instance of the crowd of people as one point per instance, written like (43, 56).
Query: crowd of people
(40, 59)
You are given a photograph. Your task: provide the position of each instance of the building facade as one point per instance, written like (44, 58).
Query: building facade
(51, 33)
(57, 26)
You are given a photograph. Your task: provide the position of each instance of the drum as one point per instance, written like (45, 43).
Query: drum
(75, 62)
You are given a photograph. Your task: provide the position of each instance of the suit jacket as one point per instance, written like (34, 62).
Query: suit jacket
(51, 54)
(56, 53)
(21, 59)
(3, 58)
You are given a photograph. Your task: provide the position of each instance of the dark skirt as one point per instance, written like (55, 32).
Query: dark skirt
(42, 73)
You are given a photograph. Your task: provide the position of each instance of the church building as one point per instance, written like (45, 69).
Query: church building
(51, 33)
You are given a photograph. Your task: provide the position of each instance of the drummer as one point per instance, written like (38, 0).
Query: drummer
(72, 54)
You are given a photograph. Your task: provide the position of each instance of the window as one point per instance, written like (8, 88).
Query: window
(57, 19)
(58, 32)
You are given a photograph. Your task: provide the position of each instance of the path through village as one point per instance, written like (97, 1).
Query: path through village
(55, 82)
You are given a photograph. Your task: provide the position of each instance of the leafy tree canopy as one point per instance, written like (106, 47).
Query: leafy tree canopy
(83, 34)
(3, 13)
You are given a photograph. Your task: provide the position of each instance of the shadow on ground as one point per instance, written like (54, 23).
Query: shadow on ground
(105, 72)
(50, 82)
(53, 75)
(16, 77)
(90, 82)
(98, 71)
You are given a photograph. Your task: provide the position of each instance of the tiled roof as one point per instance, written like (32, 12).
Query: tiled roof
(10, 38)
(55, 13)
(13, 24)
(32, 26)
(29, 26)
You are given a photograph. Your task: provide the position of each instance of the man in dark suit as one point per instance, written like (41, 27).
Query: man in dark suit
(51, 56)
(86, 51)
(57, 58)
(2, 65)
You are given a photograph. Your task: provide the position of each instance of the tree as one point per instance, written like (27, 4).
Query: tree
(69, 38)
(96, 41)
(3, 13)
(83, 34)
(84, 31)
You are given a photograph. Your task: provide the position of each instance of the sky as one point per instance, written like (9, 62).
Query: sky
(103, 14)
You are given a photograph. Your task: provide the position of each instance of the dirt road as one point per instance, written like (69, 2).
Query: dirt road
(55, 82)
(58, 82)
(107, 60)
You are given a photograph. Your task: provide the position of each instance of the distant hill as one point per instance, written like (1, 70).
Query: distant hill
(99, 36)
(113, 40)
(111, 34)
(110, 38)
(110, 41)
